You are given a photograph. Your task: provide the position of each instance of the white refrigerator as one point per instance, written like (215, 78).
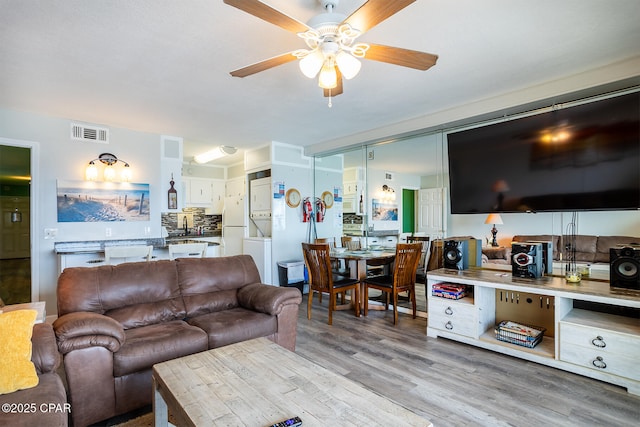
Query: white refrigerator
(234, 225)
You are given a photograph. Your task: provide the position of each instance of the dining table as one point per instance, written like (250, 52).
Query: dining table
(357, 262)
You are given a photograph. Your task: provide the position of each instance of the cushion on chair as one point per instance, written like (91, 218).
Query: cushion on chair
(343, 282)
(17, 371)
(384, 281)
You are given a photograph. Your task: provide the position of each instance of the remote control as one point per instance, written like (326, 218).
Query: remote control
(291, 422)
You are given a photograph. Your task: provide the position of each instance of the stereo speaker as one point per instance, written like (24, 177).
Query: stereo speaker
(526, 260)
(456, 254)
(624, 270)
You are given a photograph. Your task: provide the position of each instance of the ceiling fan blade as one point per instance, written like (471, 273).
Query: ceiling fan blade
(336, 90)
(399, 56)
(269, 14)
(374, 12)
(263, 65)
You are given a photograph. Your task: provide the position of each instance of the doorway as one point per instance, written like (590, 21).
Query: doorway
(15, 224)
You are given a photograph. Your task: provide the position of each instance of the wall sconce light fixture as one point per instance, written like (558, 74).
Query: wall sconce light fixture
(388, 193)
(16, 216)
(109, 174)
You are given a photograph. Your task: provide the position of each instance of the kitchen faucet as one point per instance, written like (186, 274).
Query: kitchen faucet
(186, 225)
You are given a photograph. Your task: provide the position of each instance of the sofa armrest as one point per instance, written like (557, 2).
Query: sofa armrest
(85, 329)
(44, 350)
(268, 299)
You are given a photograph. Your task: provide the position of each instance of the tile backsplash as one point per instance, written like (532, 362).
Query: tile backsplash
(196, 218)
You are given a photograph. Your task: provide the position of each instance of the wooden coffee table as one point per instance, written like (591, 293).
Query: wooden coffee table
(258, 383)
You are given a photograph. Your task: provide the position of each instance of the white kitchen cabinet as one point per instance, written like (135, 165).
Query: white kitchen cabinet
(352, 188)
(579, 337)
(235, 187)
(199, 191)
(388, 241)
(217, 196)
(80, 259)
(204, 193)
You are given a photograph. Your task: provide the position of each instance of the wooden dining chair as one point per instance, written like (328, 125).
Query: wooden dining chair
(336, 265)
(322, 280)
(120, 254)
(188, 250)
(403, 278)
(421, 272)
(351, 243)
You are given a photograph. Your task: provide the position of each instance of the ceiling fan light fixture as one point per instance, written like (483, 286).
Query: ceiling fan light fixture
(328, 77)
(311, 64)
(349, 65)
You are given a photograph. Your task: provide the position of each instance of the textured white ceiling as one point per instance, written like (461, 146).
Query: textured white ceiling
(162, 66)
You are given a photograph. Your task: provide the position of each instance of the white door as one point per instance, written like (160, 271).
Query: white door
(432, 205)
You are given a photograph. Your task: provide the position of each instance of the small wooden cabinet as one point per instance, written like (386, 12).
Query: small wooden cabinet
(601, 342)
(579, 336)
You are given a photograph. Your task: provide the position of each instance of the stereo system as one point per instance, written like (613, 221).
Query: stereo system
(624, 271)
(456, 254)
(547, 255)
(526, 260)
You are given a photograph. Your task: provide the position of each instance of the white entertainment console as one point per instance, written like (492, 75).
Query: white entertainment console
(589, 340)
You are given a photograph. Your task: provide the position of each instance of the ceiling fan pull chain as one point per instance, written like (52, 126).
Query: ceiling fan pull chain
(330, 104)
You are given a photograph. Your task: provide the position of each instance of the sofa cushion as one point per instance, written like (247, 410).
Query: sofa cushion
(235, 325)
(134, 293)
(585, 247)
(50, 392)
(607, 242)
(148, 345)
(17, 371)
(210, 284)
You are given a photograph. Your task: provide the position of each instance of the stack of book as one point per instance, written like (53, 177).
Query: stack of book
(449, 290)
(518, 333)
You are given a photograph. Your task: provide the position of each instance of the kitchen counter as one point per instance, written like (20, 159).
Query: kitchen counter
(91, 253)
(97, 246)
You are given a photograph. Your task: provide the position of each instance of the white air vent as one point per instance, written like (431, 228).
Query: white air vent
(89, 133)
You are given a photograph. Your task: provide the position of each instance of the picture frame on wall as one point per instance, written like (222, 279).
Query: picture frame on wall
(83, 201)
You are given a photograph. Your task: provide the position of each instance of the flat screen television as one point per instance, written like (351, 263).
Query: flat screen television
(583, 157)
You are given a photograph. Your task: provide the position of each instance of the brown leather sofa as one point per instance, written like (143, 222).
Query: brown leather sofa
(116, 322)
(589, 249)
(45, 404)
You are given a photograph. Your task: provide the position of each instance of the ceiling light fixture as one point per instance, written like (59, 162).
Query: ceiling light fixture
(109, 174)
(216, 153)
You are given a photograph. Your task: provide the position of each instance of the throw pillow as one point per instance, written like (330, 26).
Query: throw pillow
(17, 371)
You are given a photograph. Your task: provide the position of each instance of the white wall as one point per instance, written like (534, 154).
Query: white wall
(289, 166)
(60, 158)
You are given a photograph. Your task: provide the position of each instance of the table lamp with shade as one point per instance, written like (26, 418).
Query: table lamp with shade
(493, 219)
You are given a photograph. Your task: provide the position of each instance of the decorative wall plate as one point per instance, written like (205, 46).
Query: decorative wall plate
(327, 198)
(293, 198)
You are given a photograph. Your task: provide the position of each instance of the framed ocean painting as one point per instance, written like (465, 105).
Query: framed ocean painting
(87, 201)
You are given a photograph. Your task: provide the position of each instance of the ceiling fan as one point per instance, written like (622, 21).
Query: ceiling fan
(331, 40)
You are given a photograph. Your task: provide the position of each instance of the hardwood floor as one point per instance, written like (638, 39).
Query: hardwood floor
(453, 384)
